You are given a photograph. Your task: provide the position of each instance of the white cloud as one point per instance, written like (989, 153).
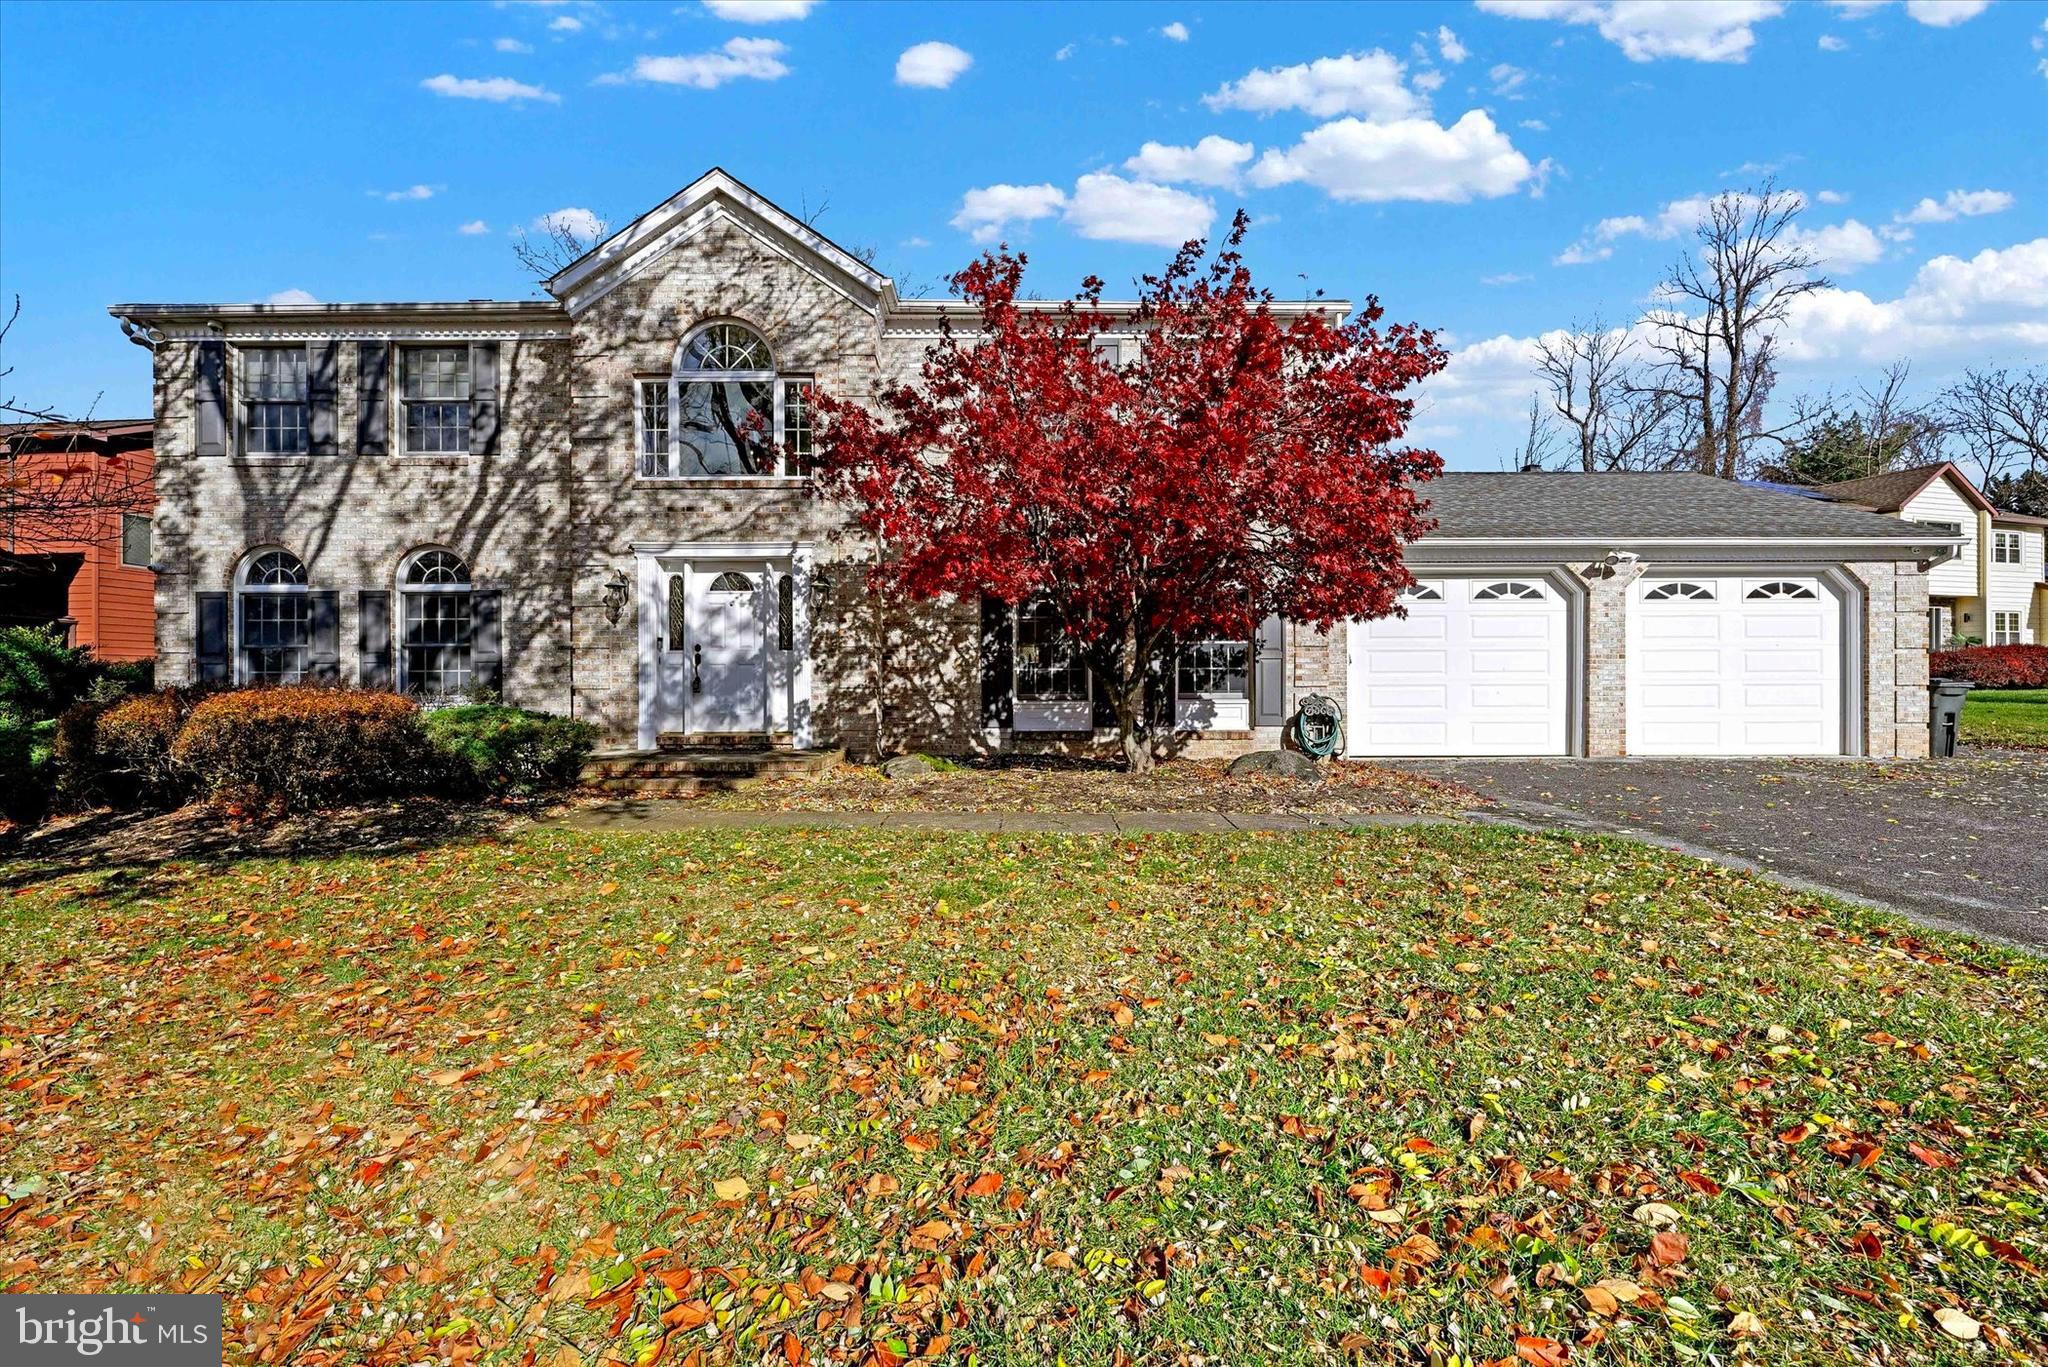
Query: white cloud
(741, 59)
(512, 45)
(1830, 43)
(1996, 301)
(914, 242)
(476, 227)
(1504, 278)
(1831, 197)
(1368, 84)
(1841, 247)
(1957, 204)
(1176, 31)
(1109, 208)
(1448, 45)
(1933, 13)
(986, 212)
(496, 89)
(1064, 53)
(1535, 125)
(1946, 13)
(1698, 30)
(760, 11)
(1428, 82)
(1212, 161)
(410, 192)
(1507, 79)
(1406, 159)
(582, 222)
(565, 23)
(290, 298)
(932, 66)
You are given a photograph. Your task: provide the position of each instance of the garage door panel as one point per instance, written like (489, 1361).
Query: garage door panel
(1461, 677)
(1731, 675)
(1679, 626)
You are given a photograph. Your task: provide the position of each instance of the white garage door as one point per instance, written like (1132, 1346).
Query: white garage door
(1734, 666)
(1477, 667)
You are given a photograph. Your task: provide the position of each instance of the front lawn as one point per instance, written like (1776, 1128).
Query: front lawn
(2006, 716)
(1433, 1095)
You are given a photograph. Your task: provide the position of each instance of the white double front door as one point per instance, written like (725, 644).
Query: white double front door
(723, 646)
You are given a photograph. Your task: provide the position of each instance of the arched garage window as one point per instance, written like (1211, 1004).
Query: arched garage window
(1680, 590)
(437, 625)
(273, 619)
(1509, 590)
(1778, 590)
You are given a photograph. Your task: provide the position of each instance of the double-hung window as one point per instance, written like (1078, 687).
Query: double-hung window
(2005, 548)
(2005, 629)
(1215, 669)
(274, 619)
(137, 540)
(434, 388)
(273, 401)
(1049, 665)
(437, 625)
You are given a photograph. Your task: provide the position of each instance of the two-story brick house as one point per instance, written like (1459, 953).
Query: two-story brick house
(591, 504)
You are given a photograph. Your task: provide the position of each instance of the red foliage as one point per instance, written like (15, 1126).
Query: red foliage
(1993, 666)
(1241, 465)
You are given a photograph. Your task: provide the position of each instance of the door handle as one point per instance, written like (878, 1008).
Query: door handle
(697, 669)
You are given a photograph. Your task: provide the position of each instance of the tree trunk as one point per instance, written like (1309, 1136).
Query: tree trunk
(1127, 695)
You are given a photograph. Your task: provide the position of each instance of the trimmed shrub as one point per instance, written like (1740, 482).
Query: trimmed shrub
(489, 748)
(284, 749)
(1993, 666)
(120, 753)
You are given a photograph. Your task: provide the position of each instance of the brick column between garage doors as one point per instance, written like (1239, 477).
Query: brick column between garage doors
(1895, 659)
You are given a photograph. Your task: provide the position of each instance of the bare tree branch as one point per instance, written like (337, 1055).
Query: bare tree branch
(1597, 387)
(2002, 420)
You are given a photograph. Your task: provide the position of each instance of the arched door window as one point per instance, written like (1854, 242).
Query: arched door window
(437, 625)
(273, 619)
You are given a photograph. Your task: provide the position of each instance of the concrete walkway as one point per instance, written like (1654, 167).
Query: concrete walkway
(628, 815)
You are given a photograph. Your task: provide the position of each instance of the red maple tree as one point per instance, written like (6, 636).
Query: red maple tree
(1242, 463)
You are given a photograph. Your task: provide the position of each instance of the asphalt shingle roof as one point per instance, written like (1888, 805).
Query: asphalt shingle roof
(1888, 492)
(1621, 506)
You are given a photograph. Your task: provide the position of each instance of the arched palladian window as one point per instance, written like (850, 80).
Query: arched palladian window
(725, 411)
(273, 619)
(437, 625)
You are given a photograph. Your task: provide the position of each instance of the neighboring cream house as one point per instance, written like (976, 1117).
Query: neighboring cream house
(1995, 590)
(595, 503)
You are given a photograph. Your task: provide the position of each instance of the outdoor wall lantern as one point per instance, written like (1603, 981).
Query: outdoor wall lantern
(614, 599)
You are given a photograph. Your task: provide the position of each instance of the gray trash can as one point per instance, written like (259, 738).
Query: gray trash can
(1945, 716)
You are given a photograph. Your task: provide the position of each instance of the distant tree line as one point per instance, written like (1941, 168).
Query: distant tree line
(1686, 386)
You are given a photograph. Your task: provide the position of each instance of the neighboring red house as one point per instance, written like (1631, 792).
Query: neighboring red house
(75, 532)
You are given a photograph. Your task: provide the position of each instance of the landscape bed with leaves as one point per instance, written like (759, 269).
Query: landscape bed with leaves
(1347, 788)
(1431, 1095)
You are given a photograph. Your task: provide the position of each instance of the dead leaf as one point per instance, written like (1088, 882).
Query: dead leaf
(1957, 1325)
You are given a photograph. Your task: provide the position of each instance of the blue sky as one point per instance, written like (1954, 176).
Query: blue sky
(1492, 169)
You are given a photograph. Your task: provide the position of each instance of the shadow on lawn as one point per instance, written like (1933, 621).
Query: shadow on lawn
(133, 846)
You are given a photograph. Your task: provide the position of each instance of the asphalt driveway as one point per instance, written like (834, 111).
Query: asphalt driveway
(1961, 843)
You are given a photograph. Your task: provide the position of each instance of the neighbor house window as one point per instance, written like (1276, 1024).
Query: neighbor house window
(2005, 548)
(2005, 629)
(1049, 664)
(723, 418)
(437, 651)
(1216, 669)
(434, 387)
(137, 540)
(273, 401)
(274, 619)
(650, 426)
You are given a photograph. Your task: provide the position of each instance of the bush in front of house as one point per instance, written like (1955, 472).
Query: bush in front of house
(1993, 666)
(119, 753)
(25, 768)
(40, 676)
(292, 748)
(492, 749)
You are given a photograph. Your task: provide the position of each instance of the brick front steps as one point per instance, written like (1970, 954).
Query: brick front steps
(677, 769)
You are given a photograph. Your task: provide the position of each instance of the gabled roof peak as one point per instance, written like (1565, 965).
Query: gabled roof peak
(592, 274)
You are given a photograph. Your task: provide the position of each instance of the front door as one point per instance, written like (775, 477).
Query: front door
(724, 671)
